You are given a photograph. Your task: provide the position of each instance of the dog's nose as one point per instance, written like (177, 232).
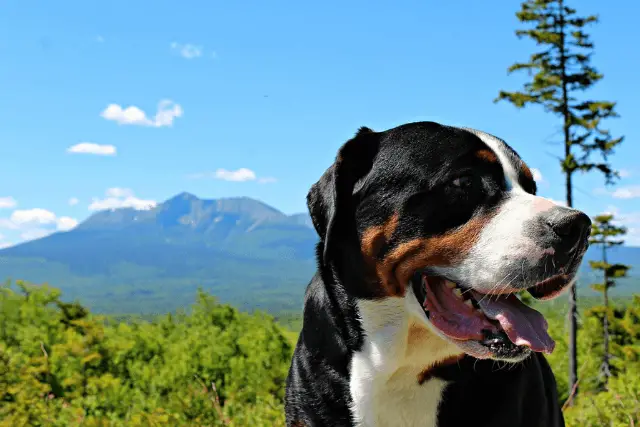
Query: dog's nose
(571, 226)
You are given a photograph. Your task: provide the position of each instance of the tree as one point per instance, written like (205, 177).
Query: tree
(561, 71)
(602, 233)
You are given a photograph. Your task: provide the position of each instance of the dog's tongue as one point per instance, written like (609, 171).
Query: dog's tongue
(523, 325)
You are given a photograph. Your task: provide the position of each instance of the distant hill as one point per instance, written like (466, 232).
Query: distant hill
(127, 260)
(242, 250)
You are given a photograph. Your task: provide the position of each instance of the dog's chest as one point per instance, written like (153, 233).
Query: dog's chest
(399, 401)
(385, 374)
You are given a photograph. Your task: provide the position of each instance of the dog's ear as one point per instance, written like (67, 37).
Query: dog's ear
(330, 200)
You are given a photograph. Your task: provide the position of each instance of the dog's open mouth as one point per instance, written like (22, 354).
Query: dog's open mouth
(500, 322)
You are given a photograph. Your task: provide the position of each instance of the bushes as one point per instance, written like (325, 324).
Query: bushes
(60, 365)
(619, 404)
(215, 366)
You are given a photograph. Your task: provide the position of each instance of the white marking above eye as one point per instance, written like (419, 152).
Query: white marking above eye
(506, 159)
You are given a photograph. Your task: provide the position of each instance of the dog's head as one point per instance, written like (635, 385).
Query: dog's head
(450, 215)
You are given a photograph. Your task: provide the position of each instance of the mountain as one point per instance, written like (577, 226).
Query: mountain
(244, 251)
(128, 260)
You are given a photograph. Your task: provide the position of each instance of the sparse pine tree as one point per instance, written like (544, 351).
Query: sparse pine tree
(561, 72)
(603, 233)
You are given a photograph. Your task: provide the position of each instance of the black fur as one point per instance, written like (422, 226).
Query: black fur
(374, 176)
(488, 393)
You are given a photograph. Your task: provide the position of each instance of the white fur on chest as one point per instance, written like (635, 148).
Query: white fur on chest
(399, 345)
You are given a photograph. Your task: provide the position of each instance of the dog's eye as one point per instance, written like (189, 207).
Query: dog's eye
(462, 182)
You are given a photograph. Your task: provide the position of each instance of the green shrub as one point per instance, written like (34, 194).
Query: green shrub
(62, 366)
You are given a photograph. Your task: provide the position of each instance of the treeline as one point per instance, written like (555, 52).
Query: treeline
(62, 366)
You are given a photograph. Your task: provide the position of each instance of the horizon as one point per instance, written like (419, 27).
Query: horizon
(129, 113)
(159, 204)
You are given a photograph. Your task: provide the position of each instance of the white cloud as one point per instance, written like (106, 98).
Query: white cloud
(633, 236)
(167, 112)
(119, 192)
(631, 192)
(537, 175)
(32, 216)
(239, 175)
(35, 233)
(35, 223)
(630, 220)
(4, 245)
(7, 202)
(6, 223)
(121, 198)
(621, 217)
(73, 201)
(187, 50)
(66, 223)
(130, 115)
(92, 148)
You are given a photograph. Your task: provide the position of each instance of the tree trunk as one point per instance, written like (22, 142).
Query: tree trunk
(573, 310)
(606, 369)
(573, 343)
(573, 297)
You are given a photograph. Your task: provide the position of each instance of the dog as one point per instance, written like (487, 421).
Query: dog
(427, 232)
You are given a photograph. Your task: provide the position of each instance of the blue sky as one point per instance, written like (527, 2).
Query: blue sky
(254, 98)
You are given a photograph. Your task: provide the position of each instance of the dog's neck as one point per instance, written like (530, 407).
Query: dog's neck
(392, 368)
(395, 328)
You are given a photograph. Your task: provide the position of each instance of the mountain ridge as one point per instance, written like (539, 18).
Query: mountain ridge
(243, 250)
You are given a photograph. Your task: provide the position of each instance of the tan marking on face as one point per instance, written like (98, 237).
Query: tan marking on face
(371, 243)
(375, 237)
(527, 172)
(487, 155)
(420, 337)
(427, 373)
(396, 269)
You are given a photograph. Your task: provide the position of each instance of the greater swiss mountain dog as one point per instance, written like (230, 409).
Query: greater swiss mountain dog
(427, 232)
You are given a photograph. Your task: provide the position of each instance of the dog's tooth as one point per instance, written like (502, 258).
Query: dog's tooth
(469, 303)
(449, 284)
(457, 292)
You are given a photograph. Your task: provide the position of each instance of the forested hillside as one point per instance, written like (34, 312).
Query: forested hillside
(212, 365)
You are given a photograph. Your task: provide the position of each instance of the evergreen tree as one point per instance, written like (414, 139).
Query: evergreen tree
(561, 72)
(602, 233)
